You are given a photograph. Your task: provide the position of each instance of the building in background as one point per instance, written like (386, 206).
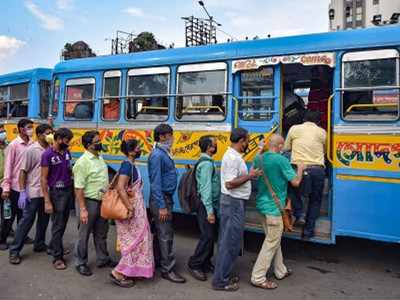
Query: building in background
(351, 14)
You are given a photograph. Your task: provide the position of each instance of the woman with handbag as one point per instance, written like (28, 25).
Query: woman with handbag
(133, 233)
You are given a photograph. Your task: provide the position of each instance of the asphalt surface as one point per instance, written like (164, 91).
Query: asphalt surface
(351, 269)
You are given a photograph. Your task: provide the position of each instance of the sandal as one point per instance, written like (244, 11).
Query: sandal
(15, 259)
(231, 287)
(287, 274)
(59, 265)
(123, 282)
(266, 285)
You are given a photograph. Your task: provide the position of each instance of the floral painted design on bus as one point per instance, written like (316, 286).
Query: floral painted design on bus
(186, 145)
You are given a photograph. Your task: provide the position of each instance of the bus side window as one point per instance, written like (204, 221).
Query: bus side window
(201, 92)
(370, 83)
(257, 90)
(111, 92)
(148, 90)
(79, 99)
(14, 101)
(44, 92)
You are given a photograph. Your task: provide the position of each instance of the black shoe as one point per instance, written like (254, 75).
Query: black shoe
(28, 240)
(197, 274)
(209, 268)
(14, 259)
(3, 246)
(231, 287)
(109, 264)
(84, 270)
(300, 222)
(173, 277)
(39, 249)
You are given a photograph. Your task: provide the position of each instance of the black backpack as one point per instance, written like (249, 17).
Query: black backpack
(189, 198)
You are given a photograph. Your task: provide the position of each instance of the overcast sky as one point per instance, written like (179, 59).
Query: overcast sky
(33, 32)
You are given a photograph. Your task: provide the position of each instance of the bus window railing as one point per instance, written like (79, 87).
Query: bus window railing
(368, 88)
(370, 106)
(239, 105)
(200, 107)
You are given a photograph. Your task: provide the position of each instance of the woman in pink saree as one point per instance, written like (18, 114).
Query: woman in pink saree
(134, 236)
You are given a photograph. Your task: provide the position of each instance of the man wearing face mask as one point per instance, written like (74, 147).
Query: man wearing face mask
(56, 183)
(10, 185)
(163, 182)
(208, 188)
(90, 178)
(31, 197)
(235, 191)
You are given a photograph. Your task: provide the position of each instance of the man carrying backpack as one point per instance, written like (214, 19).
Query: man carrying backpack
(208, 189)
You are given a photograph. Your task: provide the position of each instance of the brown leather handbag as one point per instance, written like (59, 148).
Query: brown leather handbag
(286, 212)
(112, 206)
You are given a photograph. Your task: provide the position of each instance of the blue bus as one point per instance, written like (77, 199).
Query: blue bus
(24, 94)
(265, 86)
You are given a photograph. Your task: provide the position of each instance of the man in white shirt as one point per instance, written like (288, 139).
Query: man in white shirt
(235, 191)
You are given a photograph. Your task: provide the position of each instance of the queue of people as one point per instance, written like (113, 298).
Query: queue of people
(39, 180)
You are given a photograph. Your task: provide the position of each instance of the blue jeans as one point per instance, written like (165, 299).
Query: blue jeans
(314, 189)
(232, 218)
(33, 207)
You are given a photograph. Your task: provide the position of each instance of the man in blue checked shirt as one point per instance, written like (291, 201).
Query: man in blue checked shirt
(208, 187)
(163, 182)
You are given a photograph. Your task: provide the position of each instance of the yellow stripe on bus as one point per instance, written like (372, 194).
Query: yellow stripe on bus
(368, 178)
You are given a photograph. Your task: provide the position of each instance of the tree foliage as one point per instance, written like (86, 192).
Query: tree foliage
(78, 49)
(145, 41)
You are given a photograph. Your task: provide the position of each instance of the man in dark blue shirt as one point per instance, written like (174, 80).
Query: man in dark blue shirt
(163, 182)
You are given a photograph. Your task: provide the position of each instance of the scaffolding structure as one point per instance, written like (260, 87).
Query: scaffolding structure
(122, 43)
(200, 31)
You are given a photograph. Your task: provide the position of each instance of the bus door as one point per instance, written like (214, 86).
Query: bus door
(366, 146)
(256, 101)
(307, 84)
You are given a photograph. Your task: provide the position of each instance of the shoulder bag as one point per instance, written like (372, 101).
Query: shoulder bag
(112, 206)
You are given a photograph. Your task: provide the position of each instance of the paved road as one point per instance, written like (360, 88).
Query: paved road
(353, 269)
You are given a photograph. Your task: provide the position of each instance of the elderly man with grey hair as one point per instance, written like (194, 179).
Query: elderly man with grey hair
(278, 172)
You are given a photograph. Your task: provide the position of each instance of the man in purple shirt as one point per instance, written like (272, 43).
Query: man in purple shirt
(56, 182)
(10, 185)
(31, 197)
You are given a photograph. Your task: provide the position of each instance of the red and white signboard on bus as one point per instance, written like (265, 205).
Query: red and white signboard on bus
(326, 59)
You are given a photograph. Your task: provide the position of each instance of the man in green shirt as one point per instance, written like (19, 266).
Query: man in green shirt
(90, 179)
(208, 187)
(279, 172)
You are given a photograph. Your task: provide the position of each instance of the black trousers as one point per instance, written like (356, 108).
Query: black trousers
(201, 259)
(99, 228)
(33, 207)
(62, 200)
(313, 189)
(163, 236)
(6, 225)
